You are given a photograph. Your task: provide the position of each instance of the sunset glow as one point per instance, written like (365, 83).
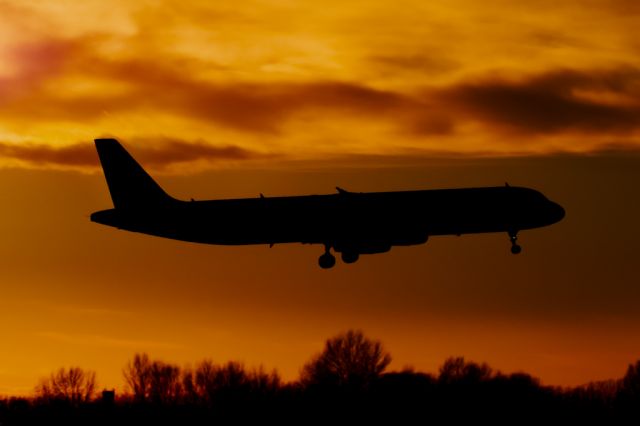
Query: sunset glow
(231, 99)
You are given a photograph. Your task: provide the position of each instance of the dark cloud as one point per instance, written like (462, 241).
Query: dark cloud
(157, 153)
(43, 155)
(162, 152)
(552, 102)
(628, 148)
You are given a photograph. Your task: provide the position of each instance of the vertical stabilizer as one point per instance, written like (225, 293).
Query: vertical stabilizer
(130, 185)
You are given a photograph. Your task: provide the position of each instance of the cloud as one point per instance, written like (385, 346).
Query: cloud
(552, 102)
(163, 152)
(32, 64)
(158, 153)
(247, 107)
(149, 84)
(587, 102)
(44, 155)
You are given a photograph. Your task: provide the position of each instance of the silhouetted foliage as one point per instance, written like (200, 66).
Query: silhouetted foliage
(457, 371)
(164, 383)
(137, 376)
(210, 383)
(628, 397)
(630, 385)
(153, 381)
(346, 382)
(404, 393)
(349, 359)
(73, 386)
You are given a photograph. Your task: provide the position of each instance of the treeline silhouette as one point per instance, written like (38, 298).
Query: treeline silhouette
(345, 383)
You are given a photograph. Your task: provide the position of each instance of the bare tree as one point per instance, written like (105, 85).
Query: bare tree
(215, 382)
(165, 386)
(348, 359)
(205, 380)
(73, 385)
(457, 370)
(154, 381)
(231, 375)
(207, 383)
(210, 383)
(188, 383)
(629, 391)
(262, 382)
(137, 375)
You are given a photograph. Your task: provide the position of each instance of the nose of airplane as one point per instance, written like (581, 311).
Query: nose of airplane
(557, 212)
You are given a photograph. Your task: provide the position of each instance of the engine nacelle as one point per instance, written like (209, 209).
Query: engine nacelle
(411, 240)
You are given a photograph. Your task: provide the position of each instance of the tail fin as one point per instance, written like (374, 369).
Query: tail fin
(130, 186)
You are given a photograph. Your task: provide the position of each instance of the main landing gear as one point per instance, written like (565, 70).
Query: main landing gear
(513, 237)
(327, 260)
(350, 256)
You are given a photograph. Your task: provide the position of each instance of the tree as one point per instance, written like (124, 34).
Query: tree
(348, 360)
(213, 384)
(165, 386)
(457, 370)
(631, 380)
(153, 381)
(137, 376)
(629, 390)
(74, 386)
(262, 382)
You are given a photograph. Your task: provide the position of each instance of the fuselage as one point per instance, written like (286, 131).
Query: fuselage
(348, 222)
(361, 222)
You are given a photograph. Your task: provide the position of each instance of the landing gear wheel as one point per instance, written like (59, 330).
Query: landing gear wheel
(350, 256)
(513, 237)
(327, 261)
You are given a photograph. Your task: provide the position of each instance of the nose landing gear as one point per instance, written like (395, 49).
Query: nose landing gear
(513, 237)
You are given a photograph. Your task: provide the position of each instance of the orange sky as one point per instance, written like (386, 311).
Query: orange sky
(297, 97)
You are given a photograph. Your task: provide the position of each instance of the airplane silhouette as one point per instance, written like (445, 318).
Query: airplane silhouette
(350, 223)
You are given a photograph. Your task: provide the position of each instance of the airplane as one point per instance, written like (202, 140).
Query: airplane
(350, 223)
